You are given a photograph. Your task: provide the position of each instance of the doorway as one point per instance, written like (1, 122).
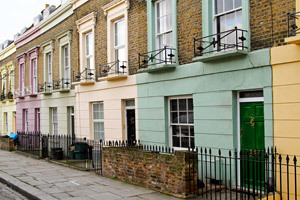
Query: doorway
(252, 138)
(130, 121)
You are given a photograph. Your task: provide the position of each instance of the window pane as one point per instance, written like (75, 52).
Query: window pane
(121, 32)
(219, 6)
(238, 3)
(182, 105)
(190, 105)
(239, 19)
(173, 105)
(192, 131)
(191, 117)
(185, 142)
(174, 117)
(228, 5)
(129, 103)
(182, 117)
(184, 131)
(230, 21)
(176, 142)
(175, 131)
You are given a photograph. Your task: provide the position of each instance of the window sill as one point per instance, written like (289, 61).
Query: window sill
(21, 97)
(293, 40)
(33, 95)
(46, 93)
(220, 55)
(4, 101)
(11, 100)
(112, 77)
(158, 68)
(64, 90)
(84, 82)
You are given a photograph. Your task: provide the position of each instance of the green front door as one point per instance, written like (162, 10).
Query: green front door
(252, 142)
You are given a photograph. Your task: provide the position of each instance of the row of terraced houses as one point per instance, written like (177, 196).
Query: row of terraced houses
(178, 73)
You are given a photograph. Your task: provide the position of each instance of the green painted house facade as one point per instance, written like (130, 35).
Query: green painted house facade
(211, 101)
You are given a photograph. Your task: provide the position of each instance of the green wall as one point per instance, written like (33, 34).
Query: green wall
(214, 87)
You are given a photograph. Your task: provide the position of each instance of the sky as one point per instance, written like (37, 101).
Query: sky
(17, 14)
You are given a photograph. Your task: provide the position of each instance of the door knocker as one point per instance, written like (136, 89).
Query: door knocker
(252, 123)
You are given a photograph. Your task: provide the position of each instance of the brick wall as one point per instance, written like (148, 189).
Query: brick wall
(162, 172)
(262, 22)
(66, 24)
(189, 20)
(6, 144)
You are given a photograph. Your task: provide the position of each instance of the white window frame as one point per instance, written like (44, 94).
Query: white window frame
(115, 11)
(26, 120)
(49, 69)
(22, 74)
(89, 56)
(54, 116)
(34, 75)
(66, 61)
(4, 81)
(5, 122)
(179, 124)
(97, 120)
(12, 80)
(86, 25)
(217, 16)
(118, 47)
(165, 32)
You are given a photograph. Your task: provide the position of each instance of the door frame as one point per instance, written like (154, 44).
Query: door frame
(125, 117)
(239, 101)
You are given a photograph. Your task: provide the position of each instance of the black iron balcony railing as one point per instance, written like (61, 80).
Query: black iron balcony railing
(2, 97)
(158, 57)
(9, 96)
(86, 75)
(45, 87)
(292, 19)
(113, 68)
(227, 40)
(62, 84)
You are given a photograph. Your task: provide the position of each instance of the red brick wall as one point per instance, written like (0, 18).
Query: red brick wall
(162, 172)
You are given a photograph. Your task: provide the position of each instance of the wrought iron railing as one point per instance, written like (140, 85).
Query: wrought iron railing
(85, 75)
(9, 96)
(62, 84)
(292, 19)
(227, 40)
(45, 87)
(116, 67)
(162, 56)
(2, 97)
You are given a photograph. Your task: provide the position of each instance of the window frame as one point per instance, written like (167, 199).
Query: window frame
(22, 82)
(4, 74)
(54, 131)
(34, 76)
(86, 47)
(5, 122)
(119, 47)
(25, 120)
(66, 59)
(97, 120)
(49, 77)
(162, 34)
(180, 124)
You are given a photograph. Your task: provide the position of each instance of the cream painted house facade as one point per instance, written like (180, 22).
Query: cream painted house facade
(8, 102)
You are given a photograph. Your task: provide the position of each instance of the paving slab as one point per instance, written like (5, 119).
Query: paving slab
(40, 179)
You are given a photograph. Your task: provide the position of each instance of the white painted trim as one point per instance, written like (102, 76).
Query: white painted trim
(169, 120)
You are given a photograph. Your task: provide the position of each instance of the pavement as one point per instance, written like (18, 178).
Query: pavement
(7, 193)
(40, 179)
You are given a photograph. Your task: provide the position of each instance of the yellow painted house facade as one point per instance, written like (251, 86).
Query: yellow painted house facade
(8, 102)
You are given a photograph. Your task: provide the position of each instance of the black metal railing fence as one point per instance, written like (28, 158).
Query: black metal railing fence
(112, 68)
(164, 56)
(292, 21)
(228, 40)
